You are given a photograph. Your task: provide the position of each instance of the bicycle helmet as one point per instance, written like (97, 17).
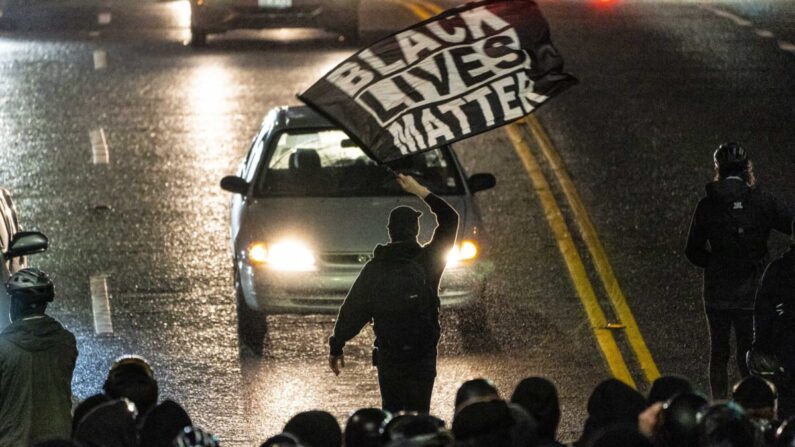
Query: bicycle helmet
(195, 437)
(31, 285)
(364, 427)
(730, 154)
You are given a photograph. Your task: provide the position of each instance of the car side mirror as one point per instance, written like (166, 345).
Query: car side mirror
(234, 184)
(27, 243)
(481, 182)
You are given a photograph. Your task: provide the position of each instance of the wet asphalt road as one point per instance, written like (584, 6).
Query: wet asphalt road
(662, 85)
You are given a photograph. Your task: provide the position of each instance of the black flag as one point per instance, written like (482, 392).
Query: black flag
(465, 71)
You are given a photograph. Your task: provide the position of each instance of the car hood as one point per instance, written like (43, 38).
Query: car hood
(336, 224)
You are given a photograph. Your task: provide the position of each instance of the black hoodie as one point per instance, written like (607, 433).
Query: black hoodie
(358, 308)
(728, 239)
(37, 359)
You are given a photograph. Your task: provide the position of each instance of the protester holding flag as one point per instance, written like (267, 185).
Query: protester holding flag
(399, 291)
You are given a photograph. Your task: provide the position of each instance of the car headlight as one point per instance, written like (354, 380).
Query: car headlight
(467, 250)
(287, 255)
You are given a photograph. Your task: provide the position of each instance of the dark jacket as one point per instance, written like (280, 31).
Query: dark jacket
(360, 307)
(728, 239)
(37, 358)
(774, 315)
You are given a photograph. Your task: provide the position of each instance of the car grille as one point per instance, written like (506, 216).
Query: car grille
(345, 258)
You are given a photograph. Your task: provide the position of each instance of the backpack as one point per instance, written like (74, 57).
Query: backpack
(402, 304)
(740, 228)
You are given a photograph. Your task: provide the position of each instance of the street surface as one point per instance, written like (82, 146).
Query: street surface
(114, 136)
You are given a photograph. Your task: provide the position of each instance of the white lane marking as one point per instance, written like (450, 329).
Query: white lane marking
(103, 18)
(100, 59)
(100, 305)
(764, 33)
(99, 147)
(94, 33)
(786, 46)
(739, 21)
(1, 12)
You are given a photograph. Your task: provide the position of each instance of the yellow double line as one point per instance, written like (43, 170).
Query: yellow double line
(424, 9)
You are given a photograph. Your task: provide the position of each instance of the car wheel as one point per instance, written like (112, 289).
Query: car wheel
(198, 38)
(251, 324)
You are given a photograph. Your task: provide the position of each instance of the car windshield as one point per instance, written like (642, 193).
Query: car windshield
(328, 163)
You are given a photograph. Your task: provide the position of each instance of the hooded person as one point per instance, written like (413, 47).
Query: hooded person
(111, 424)
(665, 387)
(37, 360)
(678, 424)
(85, 406)
(482, 418)
(539, 397)
(161, 424)
(612, 403)
(315, 429)
(728, 239)
(131, 377)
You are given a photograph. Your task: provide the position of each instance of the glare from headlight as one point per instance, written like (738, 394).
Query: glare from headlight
(465, 251)
(287, 255)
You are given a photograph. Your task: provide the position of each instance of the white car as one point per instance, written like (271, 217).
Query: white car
(309, 207)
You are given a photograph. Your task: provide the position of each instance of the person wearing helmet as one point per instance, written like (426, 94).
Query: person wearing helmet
(37, 359)
(774, 324)
(131, 377)
(728, 239)
(364, 427)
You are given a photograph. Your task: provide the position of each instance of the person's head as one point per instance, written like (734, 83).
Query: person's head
(111, 424)
(85, 406)
(757, 396)
(678, 425)
(725, 425)
(364, 427)
(475, 390)
(315, 429)
(417, 429)
(611, 403)
(404, 224)
(131, 377)
(623, 436)
(539, 397)
(30, 290)
(162, 423)
(282, 440)
(668, 386)
(194, 437)
(731, 160)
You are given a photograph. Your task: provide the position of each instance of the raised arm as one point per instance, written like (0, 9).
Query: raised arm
(446, 216)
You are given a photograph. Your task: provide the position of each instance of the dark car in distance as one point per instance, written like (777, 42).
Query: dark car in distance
(218, 16)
